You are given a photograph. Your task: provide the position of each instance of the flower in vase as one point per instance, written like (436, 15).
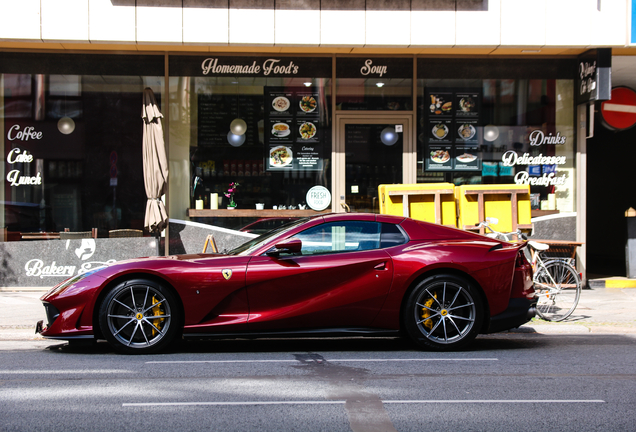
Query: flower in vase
(230, 193)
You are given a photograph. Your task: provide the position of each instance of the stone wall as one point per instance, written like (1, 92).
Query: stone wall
(45, 263)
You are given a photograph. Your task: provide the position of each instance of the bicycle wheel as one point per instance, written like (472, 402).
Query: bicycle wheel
(558, 287)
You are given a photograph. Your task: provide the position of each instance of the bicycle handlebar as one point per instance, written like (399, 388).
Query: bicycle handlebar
(505, 236)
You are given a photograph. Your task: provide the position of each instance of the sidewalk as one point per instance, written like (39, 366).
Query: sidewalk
(600, 310)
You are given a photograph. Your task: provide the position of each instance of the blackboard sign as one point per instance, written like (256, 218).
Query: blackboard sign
(216, 112)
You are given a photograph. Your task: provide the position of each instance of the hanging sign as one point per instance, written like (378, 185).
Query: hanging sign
(594, 77)
(619, 113)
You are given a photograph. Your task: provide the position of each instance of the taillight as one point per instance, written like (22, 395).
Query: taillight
(522, 260)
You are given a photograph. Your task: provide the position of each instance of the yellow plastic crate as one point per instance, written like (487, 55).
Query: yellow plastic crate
(510, 203)
(430, 202)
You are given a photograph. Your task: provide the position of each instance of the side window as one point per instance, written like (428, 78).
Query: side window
(340, 237)
(391, 236)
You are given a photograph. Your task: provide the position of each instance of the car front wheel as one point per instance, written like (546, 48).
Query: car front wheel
(139, 317)
(443, 312)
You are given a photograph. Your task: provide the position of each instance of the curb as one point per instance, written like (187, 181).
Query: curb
(580, 328)
(25, 289)
(613, 282)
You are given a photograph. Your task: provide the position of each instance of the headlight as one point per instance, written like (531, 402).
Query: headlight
(71, 281)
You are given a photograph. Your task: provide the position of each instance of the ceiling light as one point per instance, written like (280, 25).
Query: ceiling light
(491, 133)
(238, 126)
(307, 84)
(380, 84)
(66, 125)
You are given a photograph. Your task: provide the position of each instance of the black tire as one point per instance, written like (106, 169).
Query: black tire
(140, 317)
(443, 313)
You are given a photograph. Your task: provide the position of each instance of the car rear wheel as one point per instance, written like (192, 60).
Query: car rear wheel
(443, 312)
(139, 317)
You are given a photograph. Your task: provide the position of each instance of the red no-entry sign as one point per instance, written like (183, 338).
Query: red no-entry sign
(619, 113)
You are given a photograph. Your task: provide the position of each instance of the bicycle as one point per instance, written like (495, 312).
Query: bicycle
(556, 281)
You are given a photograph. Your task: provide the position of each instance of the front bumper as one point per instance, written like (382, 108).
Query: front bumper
(41, 330)
(63, 324)
(519, 312)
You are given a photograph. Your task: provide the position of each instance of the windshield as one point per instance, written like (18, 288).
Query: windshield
(248, 247)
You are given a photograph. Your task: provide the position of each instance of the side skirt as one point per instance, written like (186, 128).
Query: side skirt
(330, 332)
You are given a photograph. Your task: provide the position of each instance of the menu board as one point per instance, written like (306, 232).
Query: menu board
(293, 129)
(216, 112)
(451, 126)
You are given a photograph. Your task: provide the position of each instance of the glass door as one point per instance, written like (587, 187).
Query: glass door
(371, 149)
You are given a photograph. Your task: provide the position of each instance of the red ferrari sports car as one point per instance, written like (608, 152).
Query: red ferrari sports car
(336, 274)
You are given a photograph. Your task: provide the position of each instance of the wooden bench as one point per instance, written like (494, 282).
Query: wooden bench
(562, 249)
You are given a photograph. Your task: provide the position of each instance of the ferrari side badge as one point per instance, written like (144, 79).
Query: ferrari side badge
(227, 273)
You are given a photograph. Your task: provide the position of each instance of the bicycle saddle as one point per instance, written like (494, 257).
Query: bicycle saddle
(539, 246)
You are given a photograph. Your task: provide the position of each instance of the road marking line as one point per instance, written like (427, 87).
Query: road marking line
(494, 401)
(222, 361)
(413, 360)
(249, 403)
(342, 402)
(53, 372)
(328, 360)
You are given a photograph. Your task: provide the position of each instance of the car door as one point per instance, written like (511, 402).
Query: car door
(340, 278)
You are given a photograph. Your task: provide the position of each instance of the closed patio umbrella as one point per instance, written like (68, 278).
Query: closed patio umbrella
(155, 164)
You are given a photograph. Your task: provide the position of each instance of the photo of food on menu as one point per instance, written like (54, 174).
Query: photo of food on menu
(441, 103)
(280, 103)
(440, 131)
(293, 133)
(451, 129)
(467, 104)
(467, 158)
(439, 158)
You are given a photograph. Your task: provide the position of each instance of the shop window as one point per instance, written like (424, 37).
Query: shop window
(500, 131)
(282, 150)
(88, 175)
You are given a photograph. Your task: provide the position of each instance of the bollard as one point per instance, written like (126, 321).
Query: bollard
(630, 246)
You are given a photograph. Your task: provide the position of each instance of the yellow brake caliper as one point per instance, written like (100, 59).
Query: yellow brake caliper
(156, 311)
(427, 313)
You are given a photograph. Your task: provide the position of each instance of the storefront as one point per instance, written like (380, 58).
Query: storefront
(299, 134)
(484, 122)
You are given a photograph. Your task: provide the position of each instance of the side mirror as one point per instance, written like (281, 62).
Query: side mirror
(492, 220)
(292, 245)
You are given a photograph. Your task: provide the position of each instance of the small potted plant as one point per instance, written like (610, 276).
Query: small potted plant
(230, 195)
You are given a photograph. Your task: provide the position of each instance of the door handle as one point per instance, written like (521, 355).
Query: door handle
(381, 266)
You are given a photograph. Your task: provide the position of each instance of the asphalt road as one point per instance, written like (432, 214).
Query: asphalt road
(507, 382)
